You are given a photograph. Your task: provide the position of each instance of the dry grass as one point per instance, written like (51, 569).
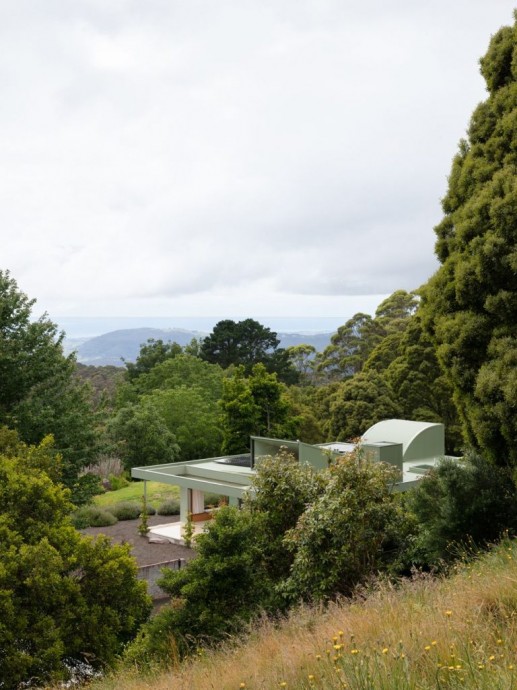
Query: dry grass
(429, 633)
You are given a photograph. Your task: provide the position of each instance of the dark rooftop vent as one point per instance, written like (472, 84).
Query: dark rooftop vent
(236, 460)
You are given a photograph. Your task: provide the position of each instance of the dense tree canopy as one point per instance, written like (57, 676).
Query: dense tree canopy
(406, 361)
(30, 350)
(359, 403)
(39, 393)
(193, 418)
(103, 381)
(239, 342)
(61, 595)
(349, 347)
(254, 406)
(302, 357)
(139, 436)
(470, 304)
(153, 352)
(353, 342)
(183, 370)
(183, 393)
(247, 343)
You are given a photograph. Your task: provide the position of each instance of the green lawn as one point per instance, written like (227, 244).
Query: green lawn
(156, 494)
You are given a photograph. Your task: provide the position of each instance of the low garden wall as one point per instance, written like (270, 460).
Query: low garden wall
(152, 573)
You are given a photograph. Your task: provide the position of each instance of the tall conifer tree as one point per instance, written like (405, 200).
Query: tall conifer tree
(470, 304)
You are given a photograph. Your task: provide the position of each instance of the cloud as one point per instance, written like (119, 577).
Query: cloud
(157, 153)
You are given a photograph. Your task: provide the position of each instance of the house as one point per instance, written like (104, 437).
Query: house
(413, 447)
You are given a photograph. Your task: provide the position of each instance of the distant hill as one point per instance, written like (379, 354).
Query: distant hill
(111, 348)
(318, 340)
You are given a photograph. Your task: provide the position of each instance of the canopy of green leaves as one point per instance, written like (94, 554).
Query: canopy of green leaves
(39, 393)
(61, 595)
(470, 304)
(254, 405)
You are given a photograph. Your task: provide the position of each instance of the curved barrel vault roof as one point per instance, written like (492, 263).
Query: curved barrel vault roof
(420, 440)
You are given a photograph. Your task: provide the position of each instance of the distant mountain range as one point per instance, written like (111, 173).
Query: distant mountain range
(114, 347)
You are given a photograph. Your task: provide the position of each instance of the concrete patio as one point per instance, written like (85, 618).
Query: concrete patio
(173, 532)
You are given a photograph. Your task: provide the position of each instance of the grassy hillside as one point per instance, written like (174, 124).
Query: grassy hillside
(156, 494)
(459, 632)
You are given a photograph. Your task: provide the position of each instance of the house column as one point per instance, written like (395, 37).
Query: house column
(184, 503)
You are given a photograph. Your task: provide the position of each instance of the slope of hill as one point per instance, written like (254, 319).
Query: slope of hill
(114, 347)
(428, 633)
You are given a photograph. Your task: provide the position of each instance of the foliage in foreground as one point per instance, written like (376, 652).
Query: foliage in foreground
(312, 536)
(302, 535)
(351, 531)
(61, 595)
(427, 634)
(216, 593)
(471, 502)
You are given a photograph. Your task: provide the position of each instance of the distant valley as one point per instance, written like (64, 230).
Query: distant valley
(114, 347)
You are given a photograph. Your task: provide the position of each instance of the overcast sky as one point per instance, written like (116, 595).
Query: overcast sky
(230, 157)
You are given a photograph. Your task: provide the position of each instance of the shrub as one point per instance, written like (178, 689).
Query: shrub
(473, 502)
(85, 488)
(217, 593)
(127, 510)
(170, 507)
(283, 488)
(91, 516)
(347, 534)
(117, 483)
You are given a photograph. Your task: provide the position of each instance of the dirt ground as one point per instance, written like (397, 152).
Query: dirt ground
(126, 532)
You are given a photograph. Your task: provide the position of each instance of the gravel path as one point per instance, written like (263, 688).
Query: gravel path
(126, 532)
